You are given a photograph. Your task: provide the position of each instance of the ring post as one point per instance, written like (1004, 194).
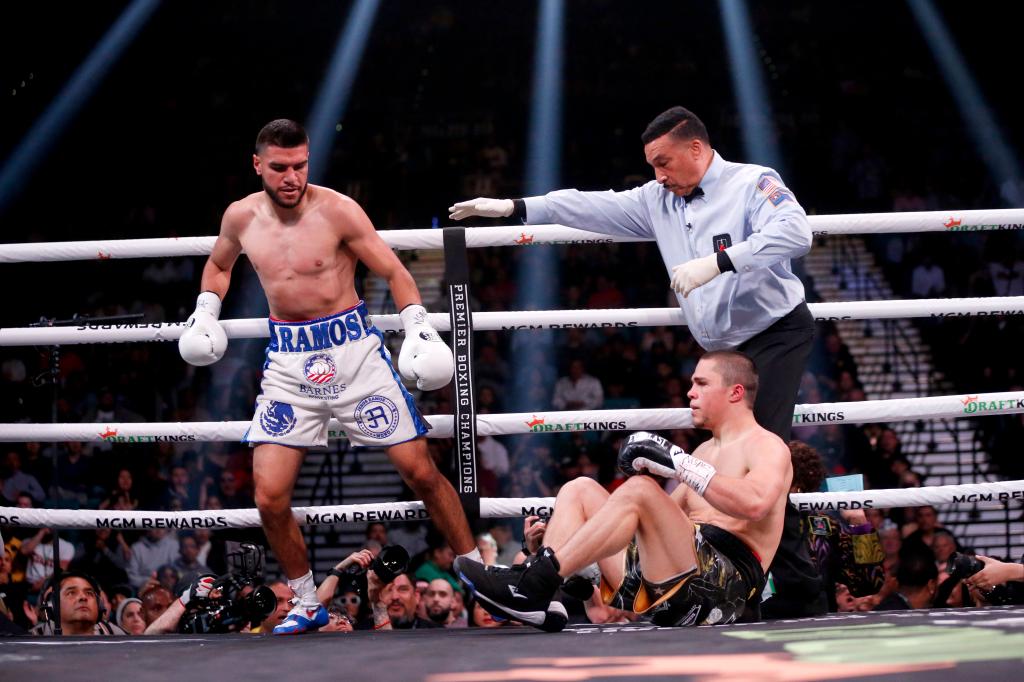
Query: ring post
(457, 276)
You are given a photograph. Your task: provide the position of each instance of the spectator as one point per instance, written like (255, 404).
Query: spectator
(400, 599)
(187, 564)
(926, 522)
(284, 596)
(16, 481)
(439, 599)
(168, 577)
(155, 549)
(440, 558)
(73, 481)
(80, 612)
(488, 548)
(350, 602)
(229, 493)
(409, 534)
(943, 547)
(508, 547)
(377, 531)
(39, 550)
(129, 616)
(13, 593)
(493, 455)
(578, 390)
(122, 497)
(181, 493)
(916, 581)
(479, 618)
(105, 557)
(155, 600)
(928, 279)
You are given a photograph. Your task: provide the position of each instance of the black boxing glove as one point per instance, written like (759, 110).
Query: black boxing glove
(647, 453)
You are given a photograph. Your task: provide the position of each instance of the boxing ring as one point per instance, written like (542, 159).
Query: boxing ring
(865, 645)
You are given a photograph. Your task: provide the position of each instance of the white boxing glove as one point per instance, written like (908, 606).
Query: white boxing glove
(485, 208)
(204, 340)
(424, 357)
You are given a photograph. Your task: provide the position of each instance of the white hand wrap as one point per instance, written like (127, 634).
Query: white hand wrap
(694, 472)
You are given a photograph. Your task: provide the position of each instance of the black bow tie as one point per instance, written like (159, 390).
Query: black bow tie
(697, 192)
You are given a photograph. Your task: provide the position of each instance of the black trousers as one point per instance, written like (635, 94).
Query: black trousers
(780, 353)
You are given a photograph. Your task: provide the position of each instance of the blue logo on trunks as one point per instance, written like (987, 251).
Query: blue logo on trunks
(376, 416)
(320, 369)
(278, 419)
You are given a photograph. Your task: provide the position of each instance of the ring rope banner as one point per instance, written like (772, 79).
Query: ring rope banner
(518, 235)
(490, 507)
(516, 423)
(255, 328)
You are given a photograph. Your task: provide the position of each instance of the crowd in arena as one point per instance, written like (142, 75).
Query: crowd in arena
(404, 171)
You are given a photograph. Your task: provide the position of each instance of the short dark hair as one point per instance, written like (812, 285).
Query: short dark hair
(917, 566)
(808, 468)
(680, 122)
(736, 368)
(281, 132)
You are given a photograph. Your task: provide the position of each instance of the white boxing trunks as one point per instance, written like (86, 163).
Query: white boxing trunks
(332, 366)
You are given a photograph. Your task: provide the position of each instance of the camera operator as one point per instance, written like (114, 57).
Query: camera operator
(998, 582)
(230, 603)
(996, 573)
(167, 623)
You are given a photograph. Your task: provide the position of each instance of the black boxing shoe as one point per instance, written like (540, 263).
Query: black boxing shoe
(524, 593)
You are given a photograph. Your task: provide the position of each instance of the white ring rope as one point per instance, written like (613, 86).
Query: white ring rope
(256, 328)
(490, 507)
(518, 235)
(513, 423)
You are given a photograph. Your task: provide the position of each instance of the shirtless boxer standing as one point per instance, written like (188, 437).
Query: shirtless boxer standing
(325, 358)
(690, 558)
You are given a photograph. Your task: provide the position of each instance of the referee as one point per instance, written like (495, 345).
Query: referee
(726, 231)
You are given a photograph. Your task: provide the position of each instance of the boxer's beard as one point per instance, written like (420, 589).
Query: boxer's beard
(277, 199)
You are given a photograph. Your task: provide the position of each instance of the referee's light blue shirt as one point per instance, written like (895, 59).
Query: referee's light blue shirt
(746, 209)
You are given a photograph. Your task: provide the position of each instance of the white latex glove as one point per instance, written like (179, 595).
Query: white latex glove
(204, 340)
(694, 273)
(424, 357)
(485, 208)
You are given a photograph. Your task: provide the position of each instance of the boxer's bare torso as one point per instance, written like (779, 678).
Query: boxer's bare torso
(735, 459)
(305, 256)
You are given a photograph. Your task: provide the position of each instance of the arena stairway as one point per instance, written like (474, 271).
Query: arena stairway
(894, 362)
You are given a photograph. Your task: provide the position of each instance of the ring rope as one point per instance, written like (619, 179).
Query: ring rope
(519, 423)
(255, 328)
(518, 235)
(492, 507)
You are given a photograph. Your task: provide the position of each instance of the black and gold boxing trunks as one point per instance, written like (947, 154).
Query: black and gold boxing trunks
(715, 591)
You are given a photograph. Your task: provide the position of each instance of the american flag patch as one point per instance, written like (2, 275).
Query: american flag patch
(775, 192)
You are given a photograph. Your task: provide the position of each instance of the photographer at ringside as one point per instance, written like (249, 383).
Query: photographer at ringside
(233, 602)
(1005, 579)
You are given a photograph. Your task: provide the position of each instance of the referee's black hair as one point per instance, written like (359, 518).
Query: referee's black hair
(679, 122)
